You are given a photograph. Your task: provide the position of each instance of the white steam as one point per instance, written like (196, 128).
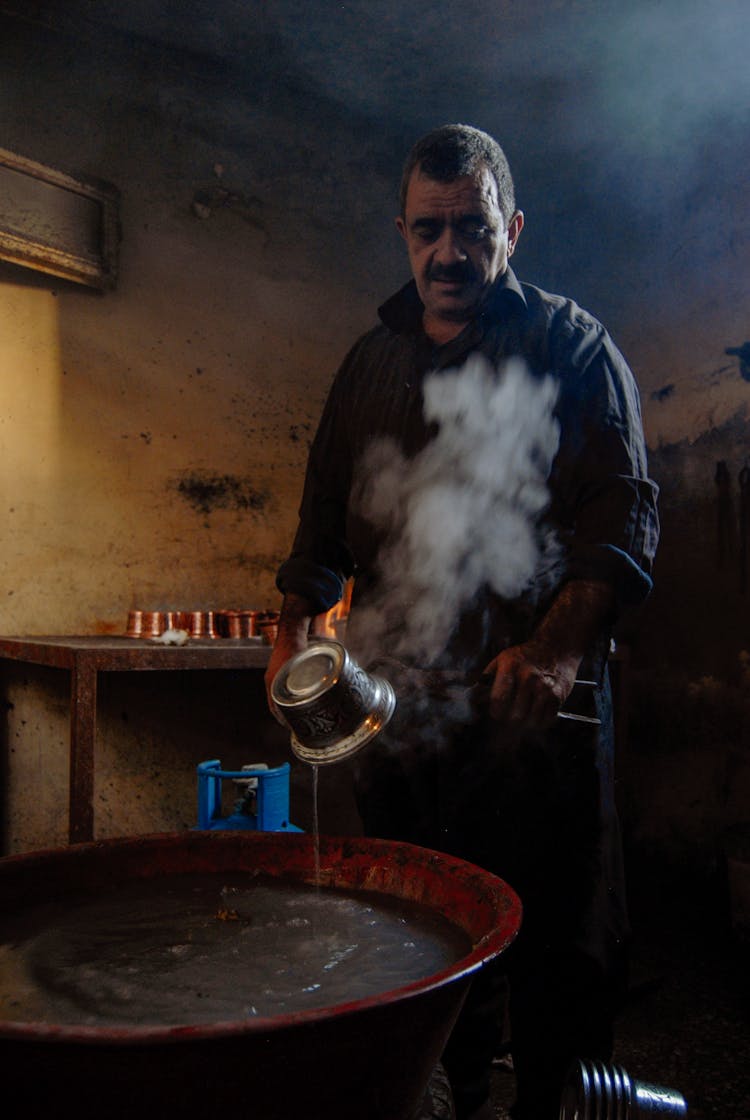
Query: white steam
(465, 512)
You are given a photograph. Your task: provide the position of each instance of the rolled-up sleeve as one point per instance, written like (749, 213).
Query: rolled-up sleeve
(604, 500)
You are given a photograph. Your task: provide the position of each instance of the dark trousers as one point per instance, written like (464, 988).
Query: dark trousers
(559, 1007)
(538, 817)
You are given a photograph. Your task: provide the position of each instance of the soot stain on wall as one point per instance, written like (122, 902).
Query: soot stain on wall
(208, 491)
(256, 564)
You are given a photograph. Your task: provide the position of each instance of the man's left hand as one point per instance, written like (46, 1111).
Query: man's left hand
(529, 685)
(530, 682)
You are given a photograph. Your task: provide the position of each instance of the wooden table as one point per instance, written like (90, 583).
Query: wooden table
(84, 658)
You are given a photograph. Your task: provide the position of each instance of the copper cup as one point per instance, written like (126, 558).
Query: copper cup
(229, 624)
(135, 624)
(331, 705)
(152, 624)
(269, 631)
(193, 623)
(209, 625)
(249, 623)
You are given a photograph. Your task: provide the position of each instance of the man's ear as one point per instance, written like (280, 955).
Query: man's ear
(401, 226)
(515, 225)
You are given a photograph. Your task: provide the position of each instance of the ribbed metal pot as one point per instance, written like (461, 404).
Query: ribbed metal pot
(597, 1091)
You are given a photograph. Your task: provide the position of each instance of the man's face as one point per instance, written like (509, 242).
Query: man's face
(458, 243)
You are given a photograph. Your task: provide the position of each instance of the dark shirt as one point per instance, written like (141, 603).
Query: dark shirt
(603, 506)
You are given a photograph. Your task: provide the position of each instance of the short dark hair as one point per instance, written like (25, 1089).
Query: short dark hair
(454, 150)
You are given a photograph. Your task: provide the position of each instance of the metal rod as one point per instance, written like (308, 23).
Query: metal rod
(577, 718)
(573, 715)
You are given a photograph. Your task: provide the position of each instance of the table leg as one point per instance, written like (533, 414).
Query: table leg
(82, 735)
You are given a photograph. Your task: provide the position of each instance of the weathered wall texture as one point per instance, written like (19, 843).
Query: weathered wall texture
(153, 438)
(168, 431)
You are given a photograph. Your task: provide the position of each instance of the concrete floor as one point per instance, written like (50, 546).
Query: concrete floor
(686, 1025)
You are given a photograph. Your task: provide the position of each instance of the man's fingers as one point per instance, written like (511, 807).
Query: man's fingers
(524, 697)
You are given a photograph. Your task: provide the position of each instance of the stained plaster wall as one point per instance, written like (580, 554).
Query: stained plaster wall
(153, 438)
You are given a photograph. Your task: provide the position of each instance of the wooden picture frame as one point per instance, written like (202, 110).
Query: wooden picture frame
(54, 223)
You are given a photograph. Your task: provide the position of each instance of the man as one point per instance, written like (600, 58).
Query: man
(500, 779)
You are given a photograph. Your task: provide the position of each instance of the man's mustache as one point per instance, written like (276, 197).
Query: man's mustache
(452, 274)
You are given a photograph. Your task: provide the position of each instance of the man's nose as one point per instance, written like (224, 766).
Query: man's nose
(448, 248)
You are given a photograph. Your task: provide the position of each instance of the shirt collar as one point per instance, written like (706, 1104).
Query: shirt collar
(402, 313)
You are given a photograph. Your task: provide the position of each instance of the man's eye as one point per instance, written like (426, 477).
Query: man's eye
(426, 233)
(473, 231)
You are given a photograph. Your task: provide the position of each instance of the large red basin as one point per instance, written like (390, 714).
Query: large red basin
(369, 1059)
